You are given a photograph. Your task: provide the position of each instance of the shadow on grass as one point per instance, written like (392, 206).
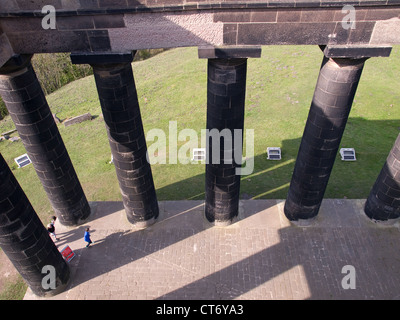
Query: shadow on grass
(270, 179)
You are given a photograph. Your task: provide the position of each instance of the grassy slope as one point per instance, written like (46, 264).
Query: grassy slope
(172, 87)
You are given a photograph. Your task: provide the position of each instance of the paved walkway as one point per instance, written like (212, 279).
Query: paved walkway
(262, 256)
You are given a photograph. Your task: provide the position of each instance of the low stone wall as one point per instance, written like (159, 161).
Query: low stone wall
(77, 119)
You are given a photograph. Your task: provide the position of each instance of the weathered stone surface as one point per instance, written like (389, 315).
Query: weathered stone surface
(25, 240)
(357, 51)
(102, 58)
(383, 202)
(329, 111)
(229, 52)
(28, 108)
(77, 119)
(226, 91)
(6, 50)
(118, 98)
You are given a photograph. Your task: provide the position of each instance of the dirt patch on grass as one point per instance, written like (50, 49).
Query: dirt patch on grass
(8, 273)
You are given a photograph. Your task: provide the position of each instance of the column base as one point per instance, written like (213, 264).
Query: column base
(225, 223)
(295, 212)
(376, 209)
(139, 225)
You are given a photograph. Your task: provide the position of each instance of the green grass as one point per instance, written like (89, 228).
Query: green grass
(14, 290)
(172, 87)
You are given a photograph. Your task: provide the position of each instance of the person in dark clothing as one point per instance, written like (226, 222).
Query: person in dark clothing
(51, 228)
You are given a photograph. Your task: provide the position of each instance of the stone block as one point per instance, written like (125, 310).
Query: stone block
(49, 41)
(357, 51)
(229, 52)
(289, 16)
(285, 33)
(112, 3)
(109, 21)
(77, 119)
(74, 22)
(102, 58)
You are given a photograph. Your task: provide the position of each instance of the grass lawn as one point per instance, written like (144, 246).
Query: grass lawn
(172, 87)
(14, 290)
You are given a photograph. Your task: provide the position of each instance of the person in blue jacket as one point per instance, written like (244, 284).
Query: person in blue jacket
(87, 237)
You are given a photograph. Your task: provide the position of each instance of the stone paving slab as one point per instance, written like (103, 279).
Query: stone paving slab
(262, 256)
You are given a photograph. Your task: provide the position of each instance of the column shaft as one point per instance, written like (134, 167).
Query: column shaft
(28, 108)
(25, 240)
(226, 91)
(118, 98)
(383, 202)
(336, 86)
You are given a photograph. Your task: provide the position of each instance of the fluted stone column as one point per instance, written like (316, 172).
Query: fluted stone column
(226, 93)
(28, 108)
(118, 98)
(383, 202)
(26, 241)
(334, 93)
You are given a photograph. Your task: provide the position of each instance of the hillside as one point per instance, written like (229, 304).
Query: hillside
(172, 87)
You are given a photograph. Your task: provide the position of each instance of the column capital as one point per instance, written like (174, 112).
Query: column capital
(102, 58)
(229, 52)
(355, 51)
(16, 63)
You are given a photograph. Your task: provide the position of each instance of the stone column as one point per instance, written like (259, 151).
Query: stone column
(26, 241)
(28, 108)
(336, 86)
(226, 93)
(383, 202)
(118, 98)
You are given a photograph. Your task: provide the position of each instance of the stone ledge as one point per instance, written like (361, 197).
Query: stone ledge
(179, 5)
(102, 57)
(357, 51)
(229, 52)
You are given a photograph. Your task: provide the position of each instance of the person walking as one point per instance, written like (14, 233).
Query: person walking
(87, 237)
(51, 228)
